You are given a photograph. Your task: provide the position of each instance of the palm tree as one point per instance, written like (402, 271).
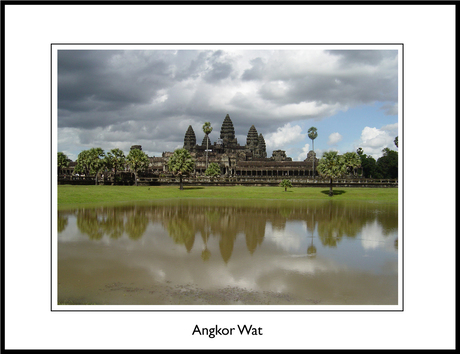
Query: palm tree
(115, 159)
(352, 161)
(82, 165)
(207, 129)
(313, 134)
(286, 184)
(137, 161)
(332, 165)
(62, 160)
(181, 163)
(96, 161)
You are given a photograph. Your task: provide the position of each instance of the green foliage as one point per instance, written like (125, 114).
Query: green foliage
(385, 167)
(213, 170)
(82, 163)
(207, 129)
(181, 163)
(115, 159)
(62, 160)
(286, 184)
(90, 162)
(137, 160)
(332, 165)
(369, 166)
(352, 161)
(388, 164)
(313, 134)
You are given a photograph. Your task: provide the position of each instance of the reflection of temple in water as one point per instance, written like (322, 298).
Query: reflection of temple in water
(225, 224)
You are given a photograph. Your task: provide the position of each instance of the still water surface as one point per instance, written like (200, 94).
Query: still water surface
(213, 252)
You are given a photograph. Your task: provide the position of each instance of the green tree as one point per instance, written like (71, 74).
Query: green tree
(90, 162)
(387, 164)
(352, 162)
(96, 161)
(286, 184)
(332, 165)
(396, 142)
(213, 170)
(207, 129)
(137, 160)
(313, 134)
(82, 164)
(369, 167)
(115, 160)
(62, 160)
(181, 163)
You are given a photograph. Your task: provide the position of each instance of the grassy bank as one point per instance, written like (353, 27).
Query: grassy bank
(71, 196)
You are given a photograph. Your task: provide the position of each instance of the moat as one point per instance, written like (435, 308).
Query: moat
(212, 252)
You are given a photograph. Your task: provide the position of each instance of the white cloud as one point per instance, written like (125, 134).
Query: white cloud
(303, 155)
(374, 140)
(334, 138)
(284, 135)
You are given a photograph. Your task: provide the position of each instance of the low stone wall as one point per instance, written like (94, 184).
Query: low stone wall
(240, 181)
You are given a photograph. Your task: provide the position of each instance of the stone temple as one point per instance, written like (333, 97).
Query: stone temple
(239, 160)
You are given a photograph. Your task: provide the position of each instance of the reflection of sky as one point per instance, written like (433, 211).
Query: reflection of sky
(276, 263)
(369, 250)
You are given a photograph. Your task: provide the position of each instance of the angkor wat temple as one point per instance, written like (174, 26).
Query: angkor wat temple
(239, 160)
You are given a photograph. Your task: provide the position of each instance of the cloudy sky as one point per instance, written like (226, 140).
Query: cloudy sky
(118, 98)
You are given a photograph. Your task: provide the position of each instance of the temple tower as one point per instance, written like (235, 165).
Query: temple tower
(227, 132)
(261, 147)
(252, 139)
(189, 139)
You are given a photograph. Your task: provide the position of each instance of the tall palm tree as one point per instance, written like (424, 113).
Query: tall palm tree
(207, 129)
(313, 134)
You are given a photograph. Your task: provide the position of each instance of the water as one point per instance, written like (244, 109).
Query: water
(216, 252)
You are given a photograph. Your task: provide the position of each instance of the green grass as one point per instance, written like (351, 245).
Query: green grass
(70, 196)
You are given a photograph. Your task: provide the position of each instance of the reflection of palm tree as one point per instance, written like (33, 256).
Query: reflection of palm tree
(136, 225)
(181, 231)
(88, 223)
(255, 232)
(226, 246)
(311, 250)
(114, 223)
(62, 223)
(205, 254)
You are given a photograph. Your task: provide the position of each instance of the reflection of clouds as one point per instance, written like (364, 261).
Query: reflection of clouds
(292, 239)
(372, 237)
(279, 262)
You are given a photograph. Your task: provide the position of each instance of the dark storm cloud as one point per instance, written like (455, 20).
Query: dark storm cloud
(362, 57)
(116, 98)
(105, 82)
(256, 72)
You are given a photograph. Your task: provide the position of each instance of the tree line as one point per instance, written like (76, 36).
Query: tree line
(95, 161)
(332, 165)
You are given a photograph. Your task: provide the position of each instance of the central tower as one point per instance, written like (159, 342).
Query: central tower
(227, 132)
